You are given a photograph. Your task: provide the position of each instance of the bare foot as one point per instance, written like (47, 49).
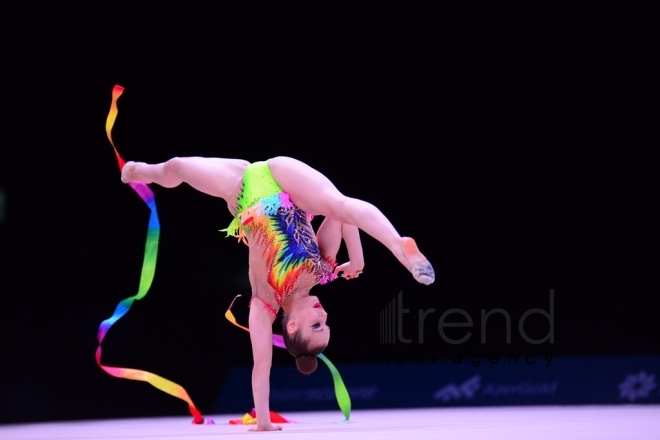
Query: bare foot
(417, 263)
(128, 174)
(269, 427)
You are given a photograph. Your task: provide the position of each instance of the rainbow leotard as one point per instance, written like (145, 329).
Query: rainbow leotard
(265, 213)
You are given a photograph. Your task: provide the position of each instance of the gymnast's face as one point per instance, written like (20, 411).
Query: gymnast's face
(310, 320)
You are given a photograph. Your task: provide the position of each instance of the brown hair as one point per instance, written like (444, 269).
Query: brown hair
(306, 360)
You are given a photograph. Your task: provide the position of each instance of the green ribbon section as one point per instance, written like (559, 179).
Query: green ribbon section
(343, 399)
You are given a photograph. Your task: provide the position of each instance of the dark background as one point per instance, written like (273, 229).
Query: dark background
(516, 143)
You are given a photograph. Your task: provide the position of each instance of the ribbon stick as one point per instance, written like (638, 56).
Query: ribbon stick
(146, 278)
(341, 392)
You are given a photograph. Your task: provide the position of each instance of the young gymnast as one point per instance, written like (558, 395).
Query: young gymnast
(272, 203)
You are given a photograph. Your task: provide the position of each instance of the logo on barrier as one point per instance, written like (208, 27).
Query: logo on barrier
(637, 386)
(467, 389)
(473, 386)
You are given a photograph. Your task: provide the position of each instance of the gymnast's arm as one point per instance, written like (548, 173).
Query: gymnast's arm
(329, 237)
(261, 337)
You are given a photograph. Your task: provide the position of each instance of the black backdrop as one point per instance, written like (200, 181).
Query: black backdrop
(517, 144)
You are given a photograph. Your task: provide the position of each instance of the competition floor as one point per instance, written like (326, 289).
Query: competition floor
(538, 423)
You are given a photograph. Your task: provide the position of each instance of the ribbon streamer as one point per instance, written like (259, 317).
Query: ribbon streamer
(146, 278)
(341, 393)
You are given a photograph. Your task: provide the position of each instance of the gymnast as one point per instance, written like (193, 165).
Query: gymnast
(272, 203)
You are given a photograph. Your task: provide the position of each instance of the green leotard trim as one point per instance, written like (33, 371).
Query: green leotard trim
(258, 183)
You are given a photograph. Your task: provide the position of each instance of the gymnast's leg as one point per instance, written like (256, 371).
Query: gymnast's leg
(315, 193)
(214, 176)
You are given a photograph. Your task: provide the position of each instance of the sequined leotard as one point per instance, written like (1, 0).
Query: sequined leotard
(267, 219)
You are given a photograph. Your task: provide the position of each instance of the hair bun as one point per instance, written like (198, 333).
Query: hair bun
(307, 363)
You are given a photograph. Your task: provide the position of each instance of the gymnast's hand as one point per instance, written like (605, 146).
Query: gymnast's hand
(266, 427)
(349, 270)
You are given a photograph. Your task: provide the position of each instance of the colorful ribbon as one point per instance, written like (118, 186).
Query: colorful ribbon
(341, 393)
(146, 277)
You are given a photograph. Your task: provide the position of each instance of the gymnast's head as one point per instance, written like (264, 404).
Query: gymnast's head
(305, 332)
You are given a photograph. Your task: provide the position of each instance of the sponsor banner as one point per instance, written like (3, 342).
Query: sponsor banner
(398, 382)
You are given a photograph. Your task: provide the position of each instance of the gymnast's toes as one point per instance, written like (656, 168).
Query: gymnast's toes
(127, 172)
(417, 263)
(423, 272)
